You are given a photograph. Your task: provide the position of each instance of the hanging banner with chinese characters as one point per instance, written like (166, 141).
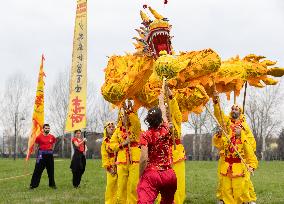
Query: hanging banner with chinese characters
(38, 114)
(76, 116)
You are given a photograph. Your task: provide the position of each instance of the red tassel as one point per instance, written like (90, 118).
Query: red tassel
(145, 6)
(165, 1)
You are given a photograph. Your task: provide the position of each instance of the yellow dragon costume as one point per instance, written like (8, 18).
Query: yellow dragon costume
(139, 76)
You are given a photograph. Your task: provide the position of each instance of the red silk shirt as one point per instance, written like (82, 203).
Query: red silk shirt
(45, 142)
(159, 144)
(81, 147)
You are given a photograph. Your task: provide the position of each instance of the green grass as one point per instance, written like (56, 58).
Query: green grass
(200, 181)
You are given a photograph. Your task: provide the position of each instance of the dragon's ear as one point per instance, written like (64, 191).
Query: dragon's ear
(276, 72)
(156, 14)
(144, 17)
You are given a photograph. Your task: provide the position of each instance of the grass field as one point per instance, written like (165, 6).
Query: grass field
(200, 183)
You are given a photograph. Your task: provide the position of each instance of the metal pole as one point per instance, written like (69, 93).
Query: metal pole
(15, 142)
(3, 146)
(72, 150)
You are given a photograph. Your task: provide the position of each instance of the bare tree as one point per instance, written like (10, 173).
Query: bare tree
(262, 111)
(58, 100)
(280, 143)
(197, 122)
(203, 124)
(16, 107)
(93, 108)
(57, 105)
(104, 112)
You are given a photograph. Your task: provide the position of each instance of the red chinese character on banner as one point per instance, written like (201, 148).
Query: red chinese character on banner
(76, 116)
(39, 100)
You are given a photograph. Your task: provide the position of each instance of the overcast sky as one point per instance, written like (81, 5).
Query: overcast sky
(32, 27)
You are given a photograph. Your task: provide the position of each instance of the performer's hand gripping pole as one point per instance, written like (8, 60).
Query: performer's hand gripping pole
(228, 138)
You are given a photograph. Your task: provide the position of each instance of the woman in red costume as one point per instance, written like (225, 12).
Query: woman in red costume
(156, 173)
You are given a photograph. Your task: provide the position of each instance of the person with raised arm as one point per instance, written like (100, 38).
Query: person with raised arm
(156, 172)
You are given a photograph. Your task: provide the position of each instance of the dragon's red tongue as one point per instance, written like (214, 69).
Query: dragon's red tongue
(162, 47)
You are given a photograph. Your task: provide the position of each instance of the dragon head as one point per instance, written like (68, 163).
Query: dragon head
(154, 35)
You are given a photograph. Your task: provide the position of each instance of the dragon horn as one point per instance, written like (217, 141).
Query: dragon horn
(156, 14)
(144, 17)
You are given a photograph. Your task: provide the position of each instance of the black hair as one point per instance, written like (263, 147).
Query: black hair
(77, 131)
(154, 117)
(45, 125)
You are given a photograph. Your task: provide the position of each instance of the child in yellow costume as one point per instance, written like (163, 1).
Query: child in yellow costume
(108, 162)
(179, 153)
(234, 179)
(127, 159)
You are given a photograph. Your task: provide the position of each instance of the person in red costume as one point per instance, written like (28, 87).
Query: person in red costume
(78, 163)
(45, 144)
(156, 173)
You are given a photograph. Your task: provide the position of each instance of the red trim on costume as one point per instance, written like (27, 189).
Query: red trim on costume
(231, 160)
(233, 176)
(180, 160)
(134, 144)
(111, 155)
(126, 162)
(178, 141)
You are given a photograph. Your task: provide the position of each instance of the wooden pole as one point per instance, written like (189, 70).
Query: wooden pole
(235, 96)
(125, 121)
(169, 116)
(245, 94)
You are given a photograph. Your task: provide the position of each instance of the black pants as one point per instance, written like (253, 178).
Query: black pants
(77, 166)
(77, 175)
(48, 163)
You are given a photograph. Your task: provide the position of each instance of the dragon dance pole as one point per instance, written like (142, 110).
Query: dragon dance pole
(126, 121)
(169, 116)
(235, 96)
(245, 94)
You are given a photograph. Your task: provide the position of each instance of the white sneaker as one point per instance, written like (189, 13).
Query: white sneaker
(252, 202)
(220, 202)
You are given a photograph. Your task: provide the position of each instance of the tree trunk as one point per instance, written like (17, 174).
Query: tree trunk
(62, 146)
(263, 148)
(200, 146)
(194, 144)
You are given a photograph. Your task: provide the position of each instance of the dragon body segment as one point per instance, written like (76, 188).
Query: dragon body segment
(190, 75)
